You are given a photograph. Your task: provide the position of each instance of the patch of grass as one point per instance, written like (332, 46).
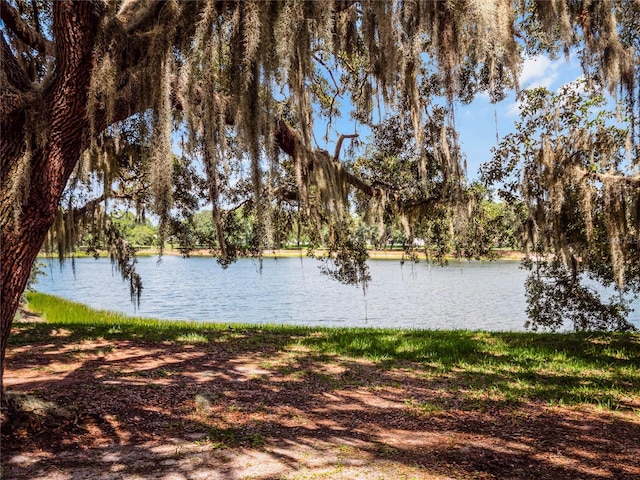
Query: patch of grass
(256, 440)
(483, 368)
(233, 437)
(192, 337)
(386, 451)
(421, 408)
(94, 324)
(115, 329)
(391, 346)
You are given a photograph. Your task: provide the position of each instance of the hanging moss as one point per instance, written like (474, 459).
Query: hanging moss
(238, 81)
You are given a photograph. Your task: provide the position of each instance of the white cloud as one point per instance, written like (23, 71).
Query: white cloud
(577, 85)
(514, 109)
(538, 71)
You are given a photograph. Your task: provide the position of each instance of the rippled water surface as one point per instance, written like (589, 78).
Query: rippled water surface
(469, 295)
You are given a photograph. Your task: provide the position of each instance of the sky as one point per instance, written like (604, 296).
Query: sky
(476, 122)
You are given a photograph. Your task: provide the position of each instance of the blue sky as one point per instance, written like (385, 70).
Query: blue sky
(476, 122)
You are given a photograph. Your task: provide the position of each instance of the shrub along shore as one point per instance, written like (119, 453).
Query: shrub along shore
(595, 368)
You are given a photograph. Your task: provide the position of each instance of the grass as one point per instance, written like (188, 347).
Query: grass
(480, 368)
(110, 324)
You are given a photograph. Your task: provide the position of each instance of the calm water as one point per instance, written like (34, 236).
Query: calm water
(476, 295)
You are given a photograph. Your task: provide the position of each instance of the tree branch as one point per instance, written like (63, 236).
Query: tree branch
(606, 177)
(284, 193)
(336, 156)
(15, 87)
(290, 142)
(24, 32)
(135, 15)
(89, 206)
(13, 72)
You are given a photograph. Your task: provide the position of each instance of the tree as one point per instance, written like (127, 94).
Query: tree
(138, 232)
(240, 80)
(502, 223)
(570, 162)
(416, 217)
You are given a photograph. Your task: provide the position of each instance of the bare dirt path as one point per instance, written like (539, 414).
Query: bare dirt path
(144, 410)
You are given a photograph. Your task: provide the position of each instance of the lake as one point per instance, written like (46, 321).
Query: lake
(462, 295)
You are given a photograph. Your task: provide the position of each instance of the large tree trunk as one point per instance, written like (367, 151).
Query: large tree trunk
(61, 109)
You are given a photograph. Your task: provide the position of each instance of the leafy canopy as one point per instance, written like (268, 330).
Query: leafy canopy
(570, 161)
(238, 85)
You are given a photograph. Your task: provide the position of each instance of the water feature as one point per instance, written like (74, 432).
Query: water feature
(462, 295)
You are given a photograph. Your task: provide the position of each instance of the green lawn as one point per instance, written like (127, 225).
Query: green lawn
(601, 369)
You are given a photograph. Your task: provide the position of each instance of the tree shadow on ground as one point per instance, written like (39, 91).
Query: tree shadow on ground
(255, 404)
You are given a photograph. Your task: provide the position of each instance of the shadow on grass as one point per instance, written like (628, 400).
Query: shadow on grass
(235, 403)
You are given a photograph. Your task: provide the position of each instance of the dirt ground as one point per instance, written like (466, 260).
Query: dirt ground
(142, 410)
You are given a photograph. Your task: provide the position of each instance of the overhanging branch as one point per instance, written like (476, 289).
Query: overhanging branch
(290, 142)
(288, 139)
(14, 74)
(23, 31)
(336, 155)
(608, 177)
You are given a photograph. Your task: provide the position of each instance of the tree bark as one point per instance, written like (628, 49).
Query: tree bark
(61, 109)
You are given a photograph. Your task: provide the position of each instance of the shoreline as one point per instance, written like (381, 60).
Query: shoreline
(501, 254)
